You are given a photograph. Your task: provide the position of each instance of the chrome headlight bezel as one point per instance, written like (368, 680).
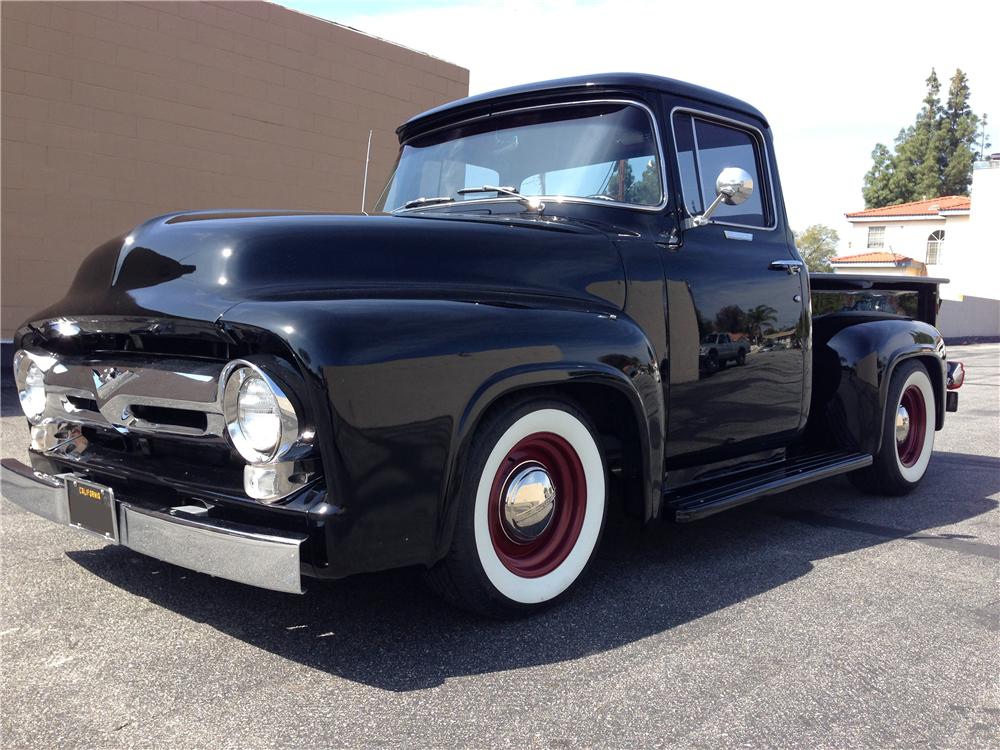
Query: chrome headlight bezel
(28, 367)
(235, 375)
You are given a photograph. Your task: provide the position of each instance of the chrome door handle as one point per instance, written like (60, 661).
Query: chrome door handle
(789, 266)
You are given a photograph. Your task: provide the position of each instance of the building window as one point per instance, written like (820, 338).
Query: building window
(876, 237)
(934, 242)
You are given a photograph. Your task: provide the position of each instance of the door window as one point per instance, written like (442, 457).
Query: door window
(688, 165)
(705, 148)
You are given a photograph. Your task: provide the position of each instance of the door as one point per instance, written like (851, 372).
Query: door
(734, 285)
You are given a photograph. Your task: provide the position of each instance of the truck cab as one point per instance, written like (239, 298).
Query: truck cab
(543, 305)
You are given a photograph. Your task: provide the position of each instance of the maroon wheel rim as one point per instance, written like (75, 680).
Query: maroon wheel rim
(909, 448)
(545, 553)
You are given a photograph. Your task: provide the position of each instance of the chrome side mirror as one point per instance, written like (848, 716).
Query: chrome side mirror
(733, 186)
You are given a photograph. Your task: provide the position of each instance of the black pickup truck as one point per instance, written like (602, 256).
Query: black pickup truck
(459, 381)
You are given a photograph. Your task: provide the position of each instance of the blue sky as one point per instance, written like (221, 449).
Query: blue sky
(833, 78)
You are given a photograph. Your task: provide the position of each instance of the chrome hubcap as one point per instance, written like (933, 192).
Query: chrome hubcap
(528, 503)
(902, 424)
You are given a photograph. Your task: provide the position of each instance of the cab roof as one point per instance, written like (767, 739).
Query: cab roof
(603, 82)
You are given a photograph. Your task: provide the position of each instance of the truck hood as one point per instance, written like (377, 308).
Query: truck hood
(198, 265)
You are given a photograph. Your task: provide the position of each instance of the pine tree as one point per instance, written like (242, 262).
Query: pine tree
(932, 157)
(877, 191)
(958, 127)
(904, 166)
(924, 148)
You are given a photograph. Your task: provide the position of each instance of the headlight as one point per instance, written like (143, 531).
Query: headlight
(30, 382)
(260, 418)
(702, 350)
(257, 414)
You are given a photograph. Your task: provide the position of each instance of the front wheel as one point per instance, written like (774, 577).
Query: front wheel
(712, 361)
(531, 511)
(907, 434)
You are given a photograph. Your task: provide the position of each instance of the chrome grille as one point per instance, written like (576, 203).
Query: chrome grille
(140, 395)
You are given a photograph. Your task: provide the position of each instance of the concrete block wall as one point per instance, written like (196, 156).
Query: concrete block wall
(970, 318)
(113, 112)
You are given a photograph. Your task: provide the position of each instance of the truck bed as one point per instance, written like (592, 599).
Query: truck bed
(841, 295)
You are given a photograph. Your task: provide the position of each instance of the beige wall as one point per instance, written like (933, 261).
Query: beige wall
(114, 112)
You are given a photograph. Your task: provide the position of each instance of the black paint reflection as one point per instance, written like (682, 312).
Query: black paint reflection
(737, 363)
(142, 267)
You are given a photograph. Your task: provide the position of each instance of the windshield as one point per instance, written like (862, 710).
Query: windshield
(600, 151)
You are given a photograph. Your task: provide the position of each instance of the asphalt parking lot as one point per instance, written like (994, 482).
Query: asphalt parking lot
(817, 618)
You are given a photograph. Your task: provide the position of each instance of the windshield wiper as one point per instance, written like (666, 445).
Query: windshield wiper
(427, 201)
(532, 202)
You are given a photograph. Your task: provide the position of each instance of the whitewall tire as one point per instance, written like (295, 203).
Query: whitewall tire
(907, 434)
(531, 512)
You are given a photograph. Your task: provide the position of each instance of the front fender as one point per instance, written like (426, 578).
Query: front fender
(638, 382)
(853, 368)
(405, 382)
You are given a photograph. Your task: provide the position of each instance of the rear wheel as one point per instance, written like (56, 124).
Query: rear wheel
(741, 358)
(907, 434)
(531, 513)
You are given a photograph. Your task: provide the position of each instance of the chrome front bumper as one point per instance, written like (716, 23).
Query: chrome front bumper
(259, 557)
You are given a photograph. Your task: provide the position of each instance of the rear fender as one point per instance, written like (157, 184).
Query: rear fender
(853, 366)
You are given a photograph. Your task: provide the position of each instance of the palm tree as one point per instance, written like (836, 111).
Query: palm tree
(757, 318)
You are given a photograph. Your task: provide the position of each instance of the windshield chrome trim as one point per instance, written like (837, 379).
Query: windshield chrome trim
(755, 133)
(660, 155)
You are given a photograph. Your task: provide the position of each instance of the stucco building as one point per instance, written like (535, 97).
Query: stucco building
(952, 237)
(117, 111)
(907, 239)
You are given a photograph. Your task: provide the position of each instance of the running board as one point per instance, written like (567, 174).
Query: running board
(707, 498)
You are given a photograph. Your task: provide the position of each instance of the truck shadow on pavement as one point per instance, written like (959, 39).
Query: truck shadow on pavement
(387, 631)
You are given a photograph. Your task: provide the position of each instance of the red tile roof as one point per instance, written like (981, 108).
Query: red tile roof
(929, 207)
(873, 258)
